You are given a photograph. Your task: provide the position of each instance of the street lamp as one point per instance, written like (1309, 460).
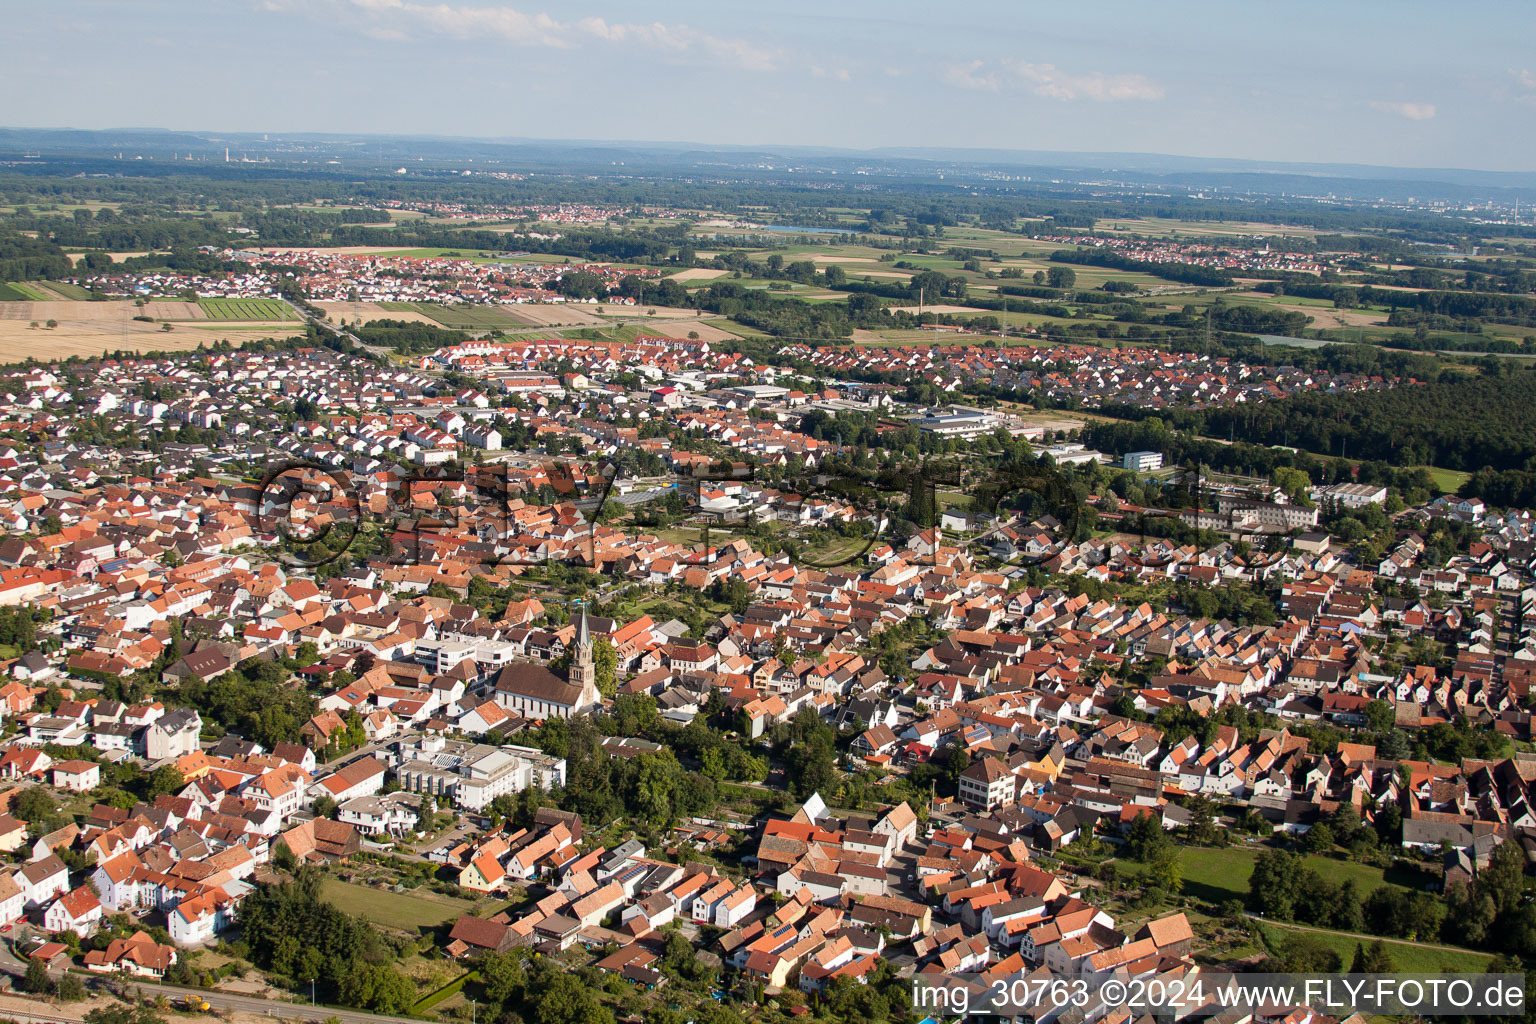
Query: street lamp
(471, 1010)
(311, 993)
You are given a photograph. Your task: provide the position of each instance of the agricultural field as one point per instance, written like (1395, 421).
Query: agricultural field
(704, 331)
(944, 309)
(362, 312)
(652, 312)
(173, 309)
(343, 250)
(559, 315)
(460, 318)
(245, 309)
(91, 328)
(500, 318)
(1158, 227)
(15, 291)
(49, 290)
(698, 274)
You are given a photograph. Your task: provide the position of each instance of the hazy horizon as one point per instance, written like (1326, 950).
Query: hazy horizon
(1433, 88)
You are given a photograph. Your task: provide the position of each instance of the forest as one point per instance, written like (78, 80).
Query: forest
(23, 258)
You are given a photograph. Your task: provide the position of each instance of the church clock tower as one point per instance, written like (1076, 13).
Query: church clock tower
(582, 673)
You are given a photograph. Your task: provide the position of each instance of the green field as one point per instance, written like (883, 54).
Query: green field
(1407, 957)
(1448, 480)
(245, 309)
(488, 256)
(432, 253)
(406, 911)
(1214, 875)
(14, 291)
(60, 290)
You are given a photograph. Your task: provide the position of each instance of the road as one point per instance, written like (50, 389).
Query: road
(323, 325)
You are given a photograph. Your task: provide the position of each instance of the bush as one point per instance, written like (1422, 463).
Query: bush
(71, 988)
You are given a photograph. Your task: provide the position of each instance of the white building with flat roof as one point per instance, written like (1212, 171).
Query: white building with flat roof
(1356, 495)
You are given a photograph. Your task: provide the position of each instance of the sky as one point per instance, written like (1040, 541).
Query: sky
(1390, 82)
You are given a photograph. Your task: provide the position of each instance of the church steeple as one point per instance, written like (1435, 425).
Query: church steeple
(583, 673)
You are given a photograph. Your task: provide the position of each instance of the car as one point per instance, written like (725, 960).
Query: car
(8, 927)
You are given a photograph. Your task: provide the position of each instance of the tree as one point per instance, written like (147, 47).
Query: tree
(309, 653)
(605, 666)
(1305, 953)
(559, 998)
(1061, 277)
(922, 503)
(1372, 960)
(325, 807)
(1470, 914)
(1319, 839)
(34, 804)
(813, 767)
(1503, 880)
(125, 1014)
(503, 976)
(284, 857)
(955, 762)
(426, 813)
(1203, 829)
(163, 780)
(1275, 883)
(36, 979)
(1294, 483)
(1163, 874)
(1379, 716)
(71, 989)
(1348, 913)
(1146, 839)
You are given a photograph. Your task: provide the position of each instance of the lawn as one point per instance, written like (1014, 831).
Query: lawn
(245, 309)
(1447, 480)
(840, 551)
(1407, 957)
(1214, 875)
(406, 911)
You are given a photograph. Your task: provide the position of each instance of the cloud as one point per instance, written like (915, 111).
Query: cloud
(404, 19)
(1523, 86)
(680, 39)
(971, 76)
(1412, 111)
(1050, 81)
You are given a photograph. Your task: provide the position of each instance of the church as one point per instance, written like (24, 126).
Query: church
(533, 691)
